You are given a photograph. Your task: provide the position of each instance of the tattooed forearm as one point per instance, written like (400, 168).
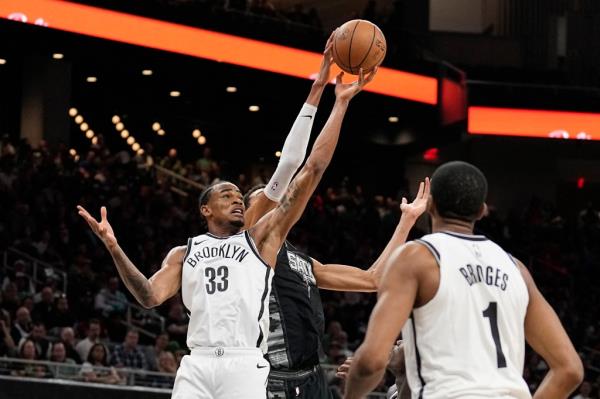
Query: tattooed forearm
(290, 197)
(134, 280)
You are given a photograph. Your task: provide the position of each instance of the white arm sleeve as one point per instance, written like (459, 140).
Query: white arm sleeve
(292, 154)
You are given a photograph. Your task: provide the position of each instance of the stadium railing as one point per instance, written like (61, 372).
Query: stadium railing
(35, 378)
(37, 270)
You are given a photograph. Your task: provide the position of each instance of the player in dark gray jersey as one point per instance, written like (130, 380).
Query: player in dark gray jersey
(297, 317)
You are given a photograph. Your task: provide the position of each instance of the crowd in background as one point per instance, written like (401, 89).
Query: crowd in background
(88, 324)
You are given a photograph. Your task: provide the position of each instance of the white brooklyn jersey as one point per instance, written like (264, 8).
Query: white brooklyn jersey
(225, 286)
(469, 341)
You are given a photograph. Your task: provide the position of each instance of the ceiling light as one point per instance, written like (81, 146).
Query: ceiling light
(125, 133)
(196, 133)
(147, 72)
(231, 89)
(84, 126)
(393, 119)
(175, 93)
(116, 119)
(91, 79)
(73, 112)
(120, 126)
(278, 154)
(58, 56)
(156, 126)
(95, 140)
(78, 119)
(202, 140)
(140, 151)
(2, 61)
(89, 134)
(73, 152)
(77, 158)
(130, 140)
(161, 132)
(135, 147)
(253, 108)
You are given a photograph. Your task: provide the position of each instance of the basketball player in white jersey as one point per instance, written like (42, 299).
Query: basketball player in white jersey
(225, 275)
(465, 308)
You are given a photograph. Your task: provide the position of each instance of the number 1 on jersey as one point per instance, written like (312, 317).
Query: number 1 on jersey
(492, 313)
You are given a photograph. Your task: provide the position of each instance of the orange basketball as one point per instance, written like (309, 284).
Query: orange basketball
(358, 44)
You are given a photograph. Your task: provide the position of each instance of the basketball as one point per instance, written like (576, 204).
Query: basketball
(358, 44)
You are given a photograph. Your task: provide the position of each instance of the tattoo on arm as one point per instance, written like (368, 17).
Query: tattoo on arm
(290, 196)
(134, 280)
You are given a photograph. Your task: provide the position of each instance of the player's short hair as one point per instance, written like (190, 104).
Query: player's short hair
(205, 197)
(250, 192)
(458, 190)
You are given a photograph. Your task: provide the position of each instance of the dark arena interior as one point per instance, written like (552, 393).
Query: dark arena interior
(139, 106)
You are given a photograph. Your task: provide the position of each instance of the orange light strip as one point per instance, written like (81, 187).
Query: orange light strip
(201, 43)
(534, 123)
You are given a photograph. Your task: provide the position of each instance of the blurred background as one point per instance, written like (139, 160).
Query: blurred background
(98, 108)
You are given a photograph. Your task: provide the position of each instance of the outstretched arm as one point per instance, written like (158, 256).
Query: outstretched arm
(270, 232)
(397, 294)
(548, 338)
(349, 278)
(294, 148)
(148, 292)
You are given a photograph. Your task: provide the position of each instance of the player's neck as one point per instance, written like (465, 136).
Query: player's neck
(452, 225)
(222, 230)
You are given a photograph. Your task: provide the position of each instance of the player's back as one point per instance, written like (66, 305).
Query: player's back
(469, 340)
(225, 285)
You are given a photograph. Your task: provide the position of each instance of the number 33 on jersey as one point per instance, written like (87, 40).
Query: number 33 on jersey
(225, 286)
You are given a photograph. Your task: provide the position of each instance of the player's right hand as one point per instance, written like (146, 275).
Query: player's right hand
(102, 229)
(324, 71)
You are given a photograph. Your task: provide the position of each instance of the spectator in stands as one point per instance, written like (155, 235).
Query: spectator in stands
(67, 337)
(93, 337)
(22, 326)
(166, 365)
(129, 354)
(7, 344)
(10, 297)
(28, 303)
(177, 324)
(153, 352)
(38, 336)
(61, 316)
(58, 354)
(42, 311)
(28, 351)
(111, 300)
(91, 372)
(585, 391)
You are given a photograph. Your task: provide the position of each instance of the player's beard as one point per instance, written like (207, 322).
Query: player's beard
(237, 223)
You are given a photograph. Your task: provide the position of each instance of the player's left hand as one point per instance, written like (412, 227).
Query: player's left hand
(342, 370)
(419, 204)
(345, 91)
(325, 70)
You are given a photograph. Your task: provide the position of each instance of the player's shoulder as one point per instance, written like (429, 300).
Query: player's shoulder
(413, 254)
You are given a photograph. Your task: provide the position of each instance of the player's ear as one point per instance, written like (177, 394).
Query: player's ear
(205, 210)
(483, 212)
(430, 205)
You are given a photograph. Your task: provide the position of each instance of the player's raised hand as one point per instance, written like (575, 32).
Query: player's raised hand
(325, 70)
(345, 91)
(102, 229)
(419, 204)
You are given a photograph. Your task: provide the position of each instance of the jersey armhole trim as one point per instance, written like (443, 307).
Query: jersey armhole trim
(262, 307)
(512, 259)
(431, 249)
(253, 247)
(417, 355)
(188, 249)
